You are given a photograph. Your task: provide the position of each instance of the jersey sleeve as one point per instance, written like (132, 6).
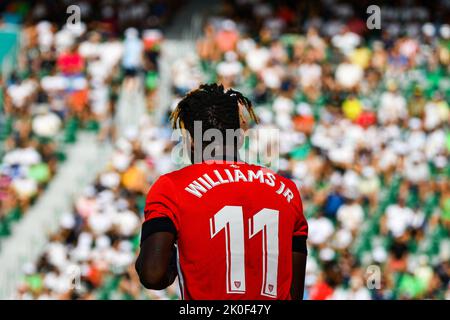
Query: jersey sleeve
(301, 225)
(161, 205)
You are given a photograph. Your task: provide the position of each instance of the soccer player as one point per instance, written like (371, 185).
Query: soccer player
(228, 229)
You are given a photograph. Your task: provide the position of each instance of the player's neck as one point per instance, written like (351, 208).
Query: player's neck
(218, 156)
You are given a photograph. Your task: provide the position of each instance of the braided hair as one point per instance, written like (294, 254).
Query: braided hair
(213, 106)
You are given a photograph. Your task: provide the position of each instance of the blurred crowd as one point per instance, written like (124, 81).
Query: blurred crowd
(67, 77)
(92, 254)
(363, 118)
(363, 121)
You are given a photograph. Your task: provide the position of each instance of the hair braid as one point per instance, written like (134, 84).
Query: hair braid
(212, 105)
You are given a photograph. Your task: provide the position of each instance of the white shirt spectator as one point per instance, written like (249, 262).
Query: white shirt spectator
(257, 58)
(416, 140)
(90, 50)
(57, 254)
(416, 168)
(19, 93)
(25, 188)
(230, 67)
(133, 49)
(435, 143)
(398, 219)
(22, 156)
(350, 216)
(392, 107)
(435, 114)
(348, 75)
(54, 83)
(283, 105)
(342, 239)
(100, 223)
(320, 230)
(346, 42)
(272, 77)
(45, 35)
(110, 179)
(309, 74)
(46, 125)
(126, 222)
(64, 39)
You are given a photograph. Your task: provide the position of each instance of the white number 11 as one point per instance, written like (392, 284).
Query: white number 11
(231, 220)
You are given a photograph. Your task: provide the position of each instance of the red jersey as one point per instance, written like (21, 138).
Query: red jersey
(235, 225)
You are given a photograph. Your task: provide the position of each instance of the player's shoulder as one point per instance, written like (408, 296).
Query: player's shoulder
(182, 173)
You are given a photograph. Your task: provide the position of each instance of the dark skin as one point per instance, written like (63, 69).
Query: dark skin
(157, 271)
(155, 263)
(298, 275)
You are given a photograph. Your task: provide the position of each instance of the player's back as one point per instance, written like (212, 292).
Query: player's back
(235, 223)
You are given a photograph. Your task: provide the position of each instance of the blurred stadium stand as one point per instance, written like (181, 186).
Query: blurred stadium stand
(363, 117)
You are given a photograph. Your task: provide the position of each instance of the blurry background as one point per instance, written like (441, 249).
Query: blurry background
(363, 118)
